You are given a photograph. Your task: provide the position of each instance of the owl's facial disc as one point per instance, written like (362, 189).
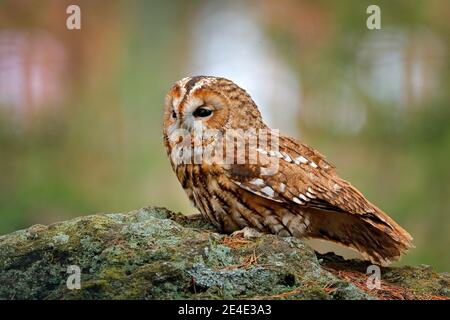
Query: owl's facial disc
(199, 106)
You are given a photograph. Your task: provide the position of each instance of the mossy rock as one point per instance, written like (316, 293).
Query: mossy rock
(153, 253)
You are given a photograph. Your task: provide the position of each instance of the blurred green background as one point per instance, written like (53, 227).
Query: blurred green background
(81, 110)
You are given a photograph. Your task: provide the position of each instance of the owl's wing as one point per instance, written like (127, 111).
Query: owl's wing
(306, 183)
(304, 178)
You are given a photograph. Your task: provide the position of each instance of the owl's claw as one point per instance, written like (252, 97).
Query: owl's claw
(247, 233)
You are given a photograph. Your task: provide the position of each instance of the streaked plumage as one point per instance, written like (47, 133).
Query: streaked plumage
(304, 197)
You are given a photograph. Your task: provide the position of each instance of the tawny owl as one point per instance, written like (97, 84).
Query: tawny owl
(240, 173)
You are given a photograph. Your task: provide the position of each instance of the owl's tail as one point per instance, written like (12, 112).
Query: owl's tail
(380, 241)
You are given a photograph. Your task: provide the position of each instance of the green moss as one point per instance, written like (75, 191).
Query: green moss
(423, 280)
(154, 254)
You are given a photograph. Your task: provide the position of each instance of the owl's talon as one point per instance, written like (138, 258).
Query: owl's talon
(247, 233)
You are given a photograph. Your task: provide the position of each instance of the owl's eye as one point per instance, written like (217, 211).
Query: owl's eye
(174, 114)
(202, 112)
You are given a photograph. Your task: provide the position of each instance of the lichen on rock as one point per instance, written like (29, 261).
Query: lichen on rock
(153, 253)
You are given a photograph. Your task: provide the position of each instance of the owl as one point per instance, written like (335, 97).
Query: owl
(239, 173)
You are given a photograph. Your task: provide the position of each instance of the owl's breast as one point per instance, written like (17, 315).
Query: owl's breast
(200, 185)
(218, 199)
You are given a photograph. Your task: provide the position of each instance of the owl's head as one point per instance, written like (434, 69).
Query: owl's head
(215, 103)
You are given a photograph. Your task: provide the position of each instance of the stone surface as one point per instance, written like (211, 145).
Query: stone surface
(153, 253)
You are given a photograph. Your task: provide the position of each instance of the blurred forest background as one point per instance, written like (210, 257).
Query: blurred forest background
(81, 110)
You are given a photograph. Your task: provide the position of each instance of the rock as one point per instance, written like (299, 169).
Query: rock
(153, 253)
